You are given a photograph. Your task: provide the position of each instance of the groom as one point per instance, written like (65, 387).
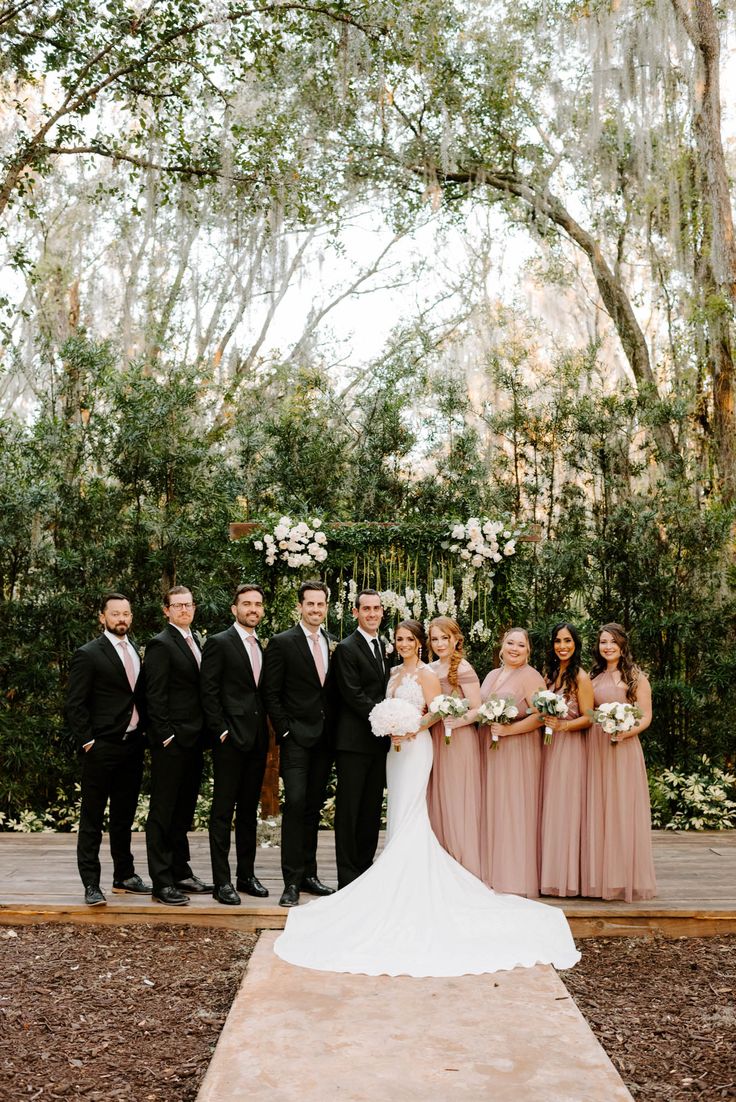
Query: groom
(361, 673)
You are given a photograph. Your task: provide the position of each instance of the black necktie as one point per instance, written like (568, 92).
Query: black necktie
(377, 653)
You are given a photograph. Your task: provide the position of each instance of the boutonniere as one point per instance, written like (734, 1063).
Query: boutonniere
(264, 643)
(141, 652)
(331, 645)
(389, 649)
(200, 637)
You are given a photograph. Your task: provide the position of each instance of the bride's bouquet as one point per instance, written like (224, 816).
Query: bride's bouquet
(394, 717)
(616, 717)
(497, 709)
(446, 706)
(548, 703)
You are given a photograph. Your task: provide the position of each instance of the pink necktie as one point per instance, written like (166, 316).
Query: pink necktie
(255, 655)
(193, 649)
(130, 671)
(318, 659)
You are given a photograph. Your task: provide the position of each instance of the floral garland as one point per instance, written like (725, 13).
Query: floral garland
(481, 542)
(297, 545)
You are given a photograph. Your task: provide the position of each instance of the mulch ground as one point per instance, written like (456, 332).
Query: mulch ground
(108, 1013)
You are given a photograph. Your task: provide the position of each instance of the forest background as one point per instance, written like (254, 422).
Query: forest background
(389, 266)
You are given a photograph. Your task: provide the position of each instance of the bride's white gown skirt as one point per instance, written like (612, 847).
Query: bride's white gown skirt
(416, 911)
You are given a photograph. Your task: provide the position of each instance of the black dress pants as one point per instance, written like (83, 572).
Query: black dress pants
(237, 780)
(361, 779)
(176, 774)
(305, 772)
(111, 771)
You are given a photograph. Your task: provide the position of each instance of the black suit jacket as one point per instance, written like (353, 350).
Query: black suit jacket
(230, 697)
(361, 684)
(173, 695)
(295, 699)
(99, 699)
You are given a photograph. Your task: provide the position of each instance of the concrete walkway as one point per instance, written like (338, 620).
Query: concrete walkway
(293, 1034)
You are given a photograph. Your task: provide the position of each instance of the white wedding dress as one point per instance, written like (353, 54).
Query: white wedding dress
(416, 911)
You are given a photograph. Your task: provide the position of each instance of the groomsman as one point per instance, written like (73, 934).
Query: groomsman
(361, 674)
(104, 709)
(176, 731)
(297, 689)
(236, 717)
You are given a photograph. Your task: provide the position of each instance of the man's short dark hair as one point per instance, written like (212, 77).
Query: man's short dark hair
(111, 595)
(312, 583)
(176, 591)
(248, 587)
(368, 593)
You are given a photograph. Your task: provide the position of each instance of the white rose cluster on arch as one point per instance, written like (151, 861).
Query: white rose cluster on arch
(298, 545)
(481, 542)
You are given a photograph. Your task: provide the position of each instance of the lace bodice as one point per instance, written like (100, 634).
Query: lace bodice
(408, 688)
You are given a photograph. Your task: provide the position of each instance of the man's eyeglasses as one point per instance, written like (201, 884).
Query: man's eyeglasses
(183, 604)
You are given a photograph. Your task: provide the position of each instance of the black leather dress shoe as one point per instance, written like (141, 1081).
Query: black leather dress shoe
(289, 896)
(252, 886)
(226, 893)
(193, 885)
(313, 886)
(93, 896)
(133, 884)
(172, 897)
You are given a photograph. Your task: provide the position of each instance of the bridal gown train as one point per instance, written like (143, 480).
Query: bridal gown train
(416, 911)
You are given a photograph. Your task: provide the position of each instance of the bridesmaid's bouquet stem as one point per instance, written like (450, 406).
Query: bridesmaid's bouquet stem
(447, 706)
(548, 703)
(497, 709)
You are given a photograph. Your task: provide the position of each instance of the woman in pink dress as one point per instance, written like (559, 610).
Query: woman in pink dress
(617, 843)
(513, 766)
(564, 763)
(454, 786)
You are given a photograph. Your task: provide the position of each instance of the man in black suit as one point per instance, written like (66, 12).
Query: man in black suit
(231, 674)
(104, 709)
(361, 675)
(176, 731)
(297, 689)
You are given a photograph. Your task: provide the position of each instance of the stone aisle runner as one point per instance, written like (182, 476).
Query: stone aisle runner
(295, 1034)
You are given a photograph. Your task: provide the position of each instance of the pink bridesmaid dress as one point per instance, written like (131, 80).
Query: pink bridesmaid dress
(564, 765)
(511, 789)
(617, 858)
(453, 795)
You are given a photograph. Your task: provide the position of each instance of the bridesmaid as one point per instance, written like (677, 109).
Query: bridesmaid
(617, 845)
(510, 832)
(564, 763)
(454, 785)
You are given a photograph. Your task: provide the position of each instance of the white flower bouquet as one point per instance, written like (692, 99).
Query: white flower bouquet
(394, 717)
(548, 703)
(497, 709)
(616, 717)
(447, 706)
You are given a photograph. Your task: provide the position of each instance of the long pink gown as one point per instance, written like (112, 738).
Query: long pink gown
(564, 765)
(511, 791)
(453, 795)
(617, 858)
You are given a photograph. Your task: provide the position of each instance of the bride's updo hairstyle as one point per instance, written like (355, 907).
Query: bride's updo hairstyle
(417, 630)
(626, 665)
(449, 627)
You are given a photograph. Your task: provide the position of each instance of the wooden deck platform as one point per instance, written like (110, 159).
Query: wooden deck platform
(696, 875)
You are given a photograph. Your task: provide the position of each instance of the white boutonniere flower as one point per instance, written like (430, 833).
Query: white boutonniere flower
(331, 645)
(389, 649)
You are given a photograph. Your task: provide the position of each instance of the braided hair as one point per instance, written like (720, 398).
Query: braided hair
(449, 627)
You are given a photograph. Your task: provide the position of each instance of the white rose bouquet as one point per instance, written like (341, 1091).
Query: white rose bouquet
(548, 703)
(394, 717)
(616, 717)
(446, 706)
(497, 709)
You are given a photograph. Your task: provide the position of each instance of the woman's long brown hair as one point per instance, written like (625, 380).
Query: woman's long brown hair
(626, 665)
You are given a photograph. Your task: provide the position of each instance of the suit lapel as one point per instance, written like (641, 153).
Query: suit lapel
(114, 658)
(304, 647)
(181, 643)
(243, 657)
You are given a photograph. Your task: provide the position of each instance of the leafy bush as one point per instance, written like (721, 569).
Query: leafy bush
(702, 800)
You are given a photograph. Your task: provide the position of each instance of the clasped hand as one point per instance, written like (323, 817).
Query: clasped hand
(396, 740)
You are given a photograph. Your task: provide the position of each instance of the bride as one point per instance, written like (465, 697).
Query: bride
(416, 911)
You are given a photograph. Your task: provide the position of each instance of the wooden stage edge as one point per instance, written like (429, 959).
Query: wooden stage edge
(651, 922)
